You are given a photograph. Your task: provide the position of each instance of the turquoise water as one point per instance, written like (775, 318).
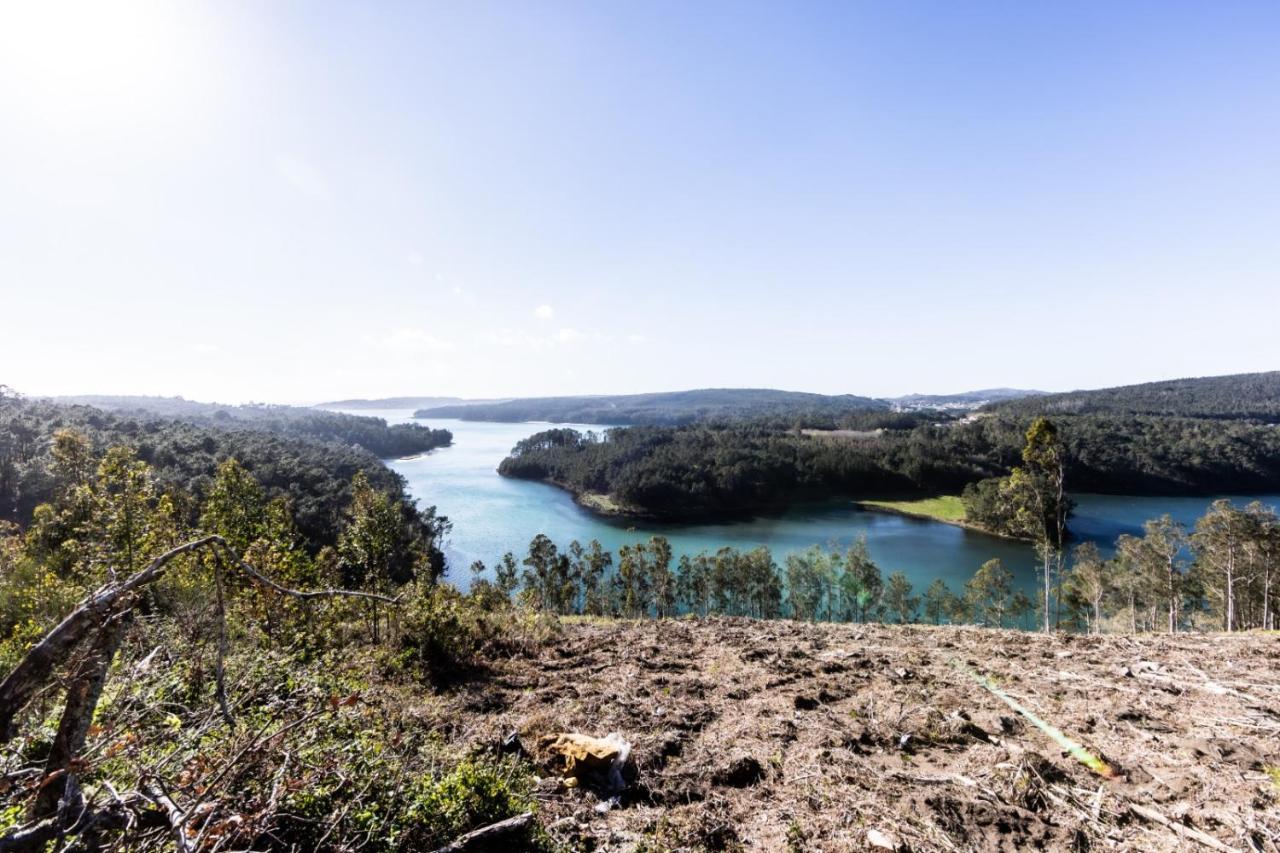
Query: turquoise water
(492, 515)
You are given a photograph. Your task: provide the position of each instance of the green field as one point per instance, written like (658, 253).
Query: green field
(945, 508)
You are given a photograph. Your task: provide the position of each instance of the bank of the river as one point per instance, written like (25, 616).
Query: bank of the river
(947, 509)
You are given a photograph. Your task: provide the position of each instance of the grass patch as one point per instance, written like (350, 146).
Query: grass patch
(945, 508)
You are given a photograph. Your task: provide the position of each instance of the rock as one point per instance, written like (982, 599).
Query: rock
(573, 754)
(742, 771)
(877, 840)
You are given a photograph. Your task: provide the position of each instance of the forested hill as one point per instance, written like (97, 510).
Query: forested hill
(373, 434)
(673, 407)
(1247, 396)
(396, 402)
(708, 470)
(284, 453)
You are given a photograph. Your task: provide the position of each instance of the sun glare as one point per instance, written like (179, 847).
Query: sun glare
(82, 62)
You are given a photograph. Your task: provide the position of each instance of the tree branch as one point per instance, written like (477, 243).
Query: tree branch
(36, 668)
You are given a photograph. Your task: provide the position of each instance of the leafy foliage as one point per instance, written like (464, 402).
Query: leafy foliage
(304, 456)
(1254, 396)
(709, 470)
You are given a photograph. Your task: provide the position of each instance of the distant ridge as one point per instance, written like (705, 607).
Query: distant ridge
(1247, 396)
(401, 403)
(963, 401)
(671, 407)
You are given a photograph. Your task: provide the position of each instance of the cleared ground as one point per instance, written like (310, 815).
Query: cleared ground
(780, 735)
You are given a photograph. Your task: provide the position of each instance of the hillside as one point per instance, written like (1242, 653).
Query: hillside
(307, 456)
(775, 736)
(675, 407)
(371, 433)
(399, 403)
(1253, 396)
(963, 402)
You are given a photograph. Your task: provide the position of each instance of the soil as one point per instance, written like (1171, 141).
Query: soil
(781, 735)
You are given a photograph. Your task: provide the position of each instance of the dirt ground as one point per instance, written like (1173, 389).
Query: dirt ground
(780, 735)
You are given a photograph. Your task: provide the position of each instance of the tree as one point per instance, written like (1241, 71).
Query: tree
(1037, 492)
(1157, 556)
(1022, 608)
(1129, 581)
(662, 580)
(540, 584)
(693, 583)
(806, 573)
(898, 598)
(235, 506)
(860, 584)
(595, 564)
(377, 548)
(634, 578)
(988, 592)
(937, 601)
(1088, 583)
(506, 575)
(1219, 543)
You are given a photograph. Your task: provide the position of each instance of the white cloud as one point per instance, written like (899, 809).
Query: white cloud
(415, 259)
(636, 339)
(544, 312)
(303, 177)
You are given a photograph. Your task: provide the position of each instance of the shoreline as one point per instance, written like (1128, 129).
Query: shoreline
(870, 506)
(607, 507)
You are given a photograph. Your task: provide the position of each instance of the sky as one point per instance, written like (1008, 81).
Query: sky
(301, 201)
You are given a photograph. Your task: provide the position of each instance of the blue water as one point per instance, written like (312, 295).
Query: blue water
(492, 515)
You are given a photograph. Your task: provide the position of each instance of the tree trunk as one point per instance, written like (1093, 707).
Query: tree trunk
(77, 714)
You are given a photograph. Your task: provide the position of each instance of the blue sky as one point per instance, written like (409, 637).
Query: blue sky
(299, 201)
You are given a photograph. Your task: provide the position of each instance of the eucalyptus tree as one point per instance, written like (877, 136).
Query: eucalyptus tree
(693, 582)
(593, 565)
(1219, 542)
(938, 601)
(861, 586)
(1159, 558)
(1037, 491)
(1087, 584)
(898, 598)
(805, 582)
(988, 593)
(662, 581)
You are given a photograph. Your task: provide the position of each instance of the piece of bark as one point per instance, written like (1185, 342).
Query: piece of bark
(479, 839)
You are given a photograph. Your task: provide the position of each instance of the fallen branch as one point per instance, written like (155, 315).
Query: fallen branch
(176, 816)
(477, 838)
(37, 666)
(1077, 750)
(1185, 831)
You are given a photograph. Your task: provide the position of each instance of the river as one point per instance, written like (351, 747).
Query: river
(492, 515)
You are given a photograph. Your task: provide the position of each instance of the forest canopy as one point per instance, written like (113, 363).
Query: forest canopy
(675, 407)
(1249, 396)
(726, 469)
(310, 458)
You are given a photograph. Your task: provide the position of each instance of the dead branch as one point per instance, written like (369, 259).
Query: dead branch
(477, 839)
(1179, 829)
(176, 816)
(37, 667)
(77, 714)
(30, 837)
